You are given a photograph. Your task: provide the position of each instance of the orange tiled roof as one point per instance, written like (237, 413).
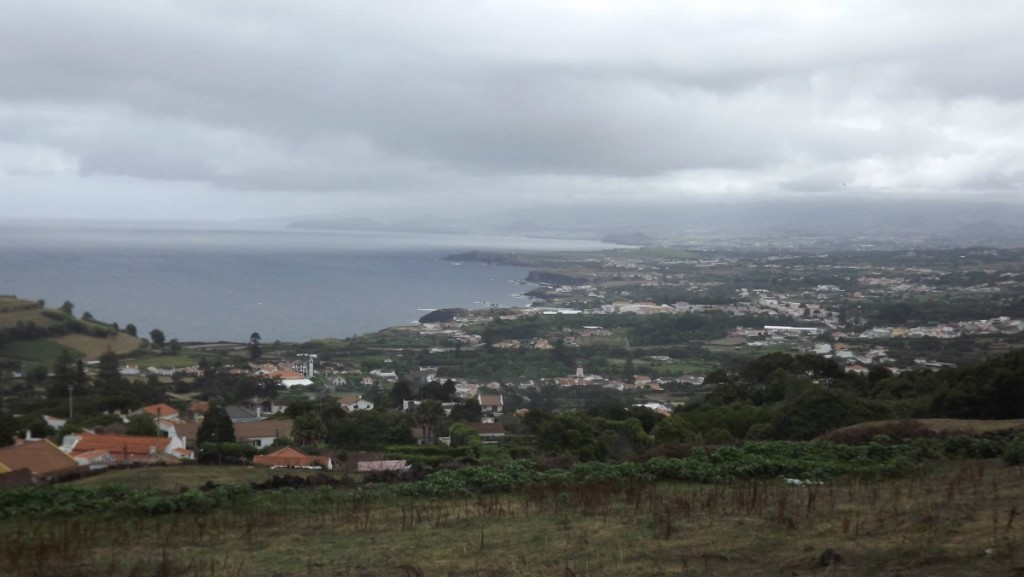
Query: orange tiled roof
(200, 407)
(120, 445)
(160, 410)
(290, 457)
(41, 457)
(348, 399)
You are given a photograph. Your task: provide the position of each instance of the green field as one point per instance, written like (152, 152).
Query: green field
(683, 367)
(43, 351)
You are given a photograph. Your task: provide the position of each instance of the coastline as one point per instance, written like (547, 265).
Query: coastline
(214, 284)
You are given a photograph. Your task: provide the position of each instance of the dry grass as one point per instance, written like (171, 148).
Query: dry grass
(93, 347)
(9, 303)
(957, 520)
(946, 426)
(9, 320)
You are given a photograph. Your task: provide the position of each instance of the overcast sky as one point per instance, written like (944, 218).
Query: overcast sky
(247, 108)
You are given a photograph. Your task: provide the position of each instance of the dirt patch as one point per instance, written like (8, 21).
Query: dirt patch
(728, 342)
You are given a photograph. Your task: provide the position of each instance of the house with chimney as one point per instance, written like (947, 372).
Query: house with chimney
(127, 448)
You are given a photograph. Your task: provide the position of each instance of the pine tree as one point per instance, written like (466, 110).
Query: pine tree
(217, 427)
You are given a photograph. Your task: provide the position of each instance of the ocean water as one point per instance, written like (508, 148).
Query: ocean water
(222, 283)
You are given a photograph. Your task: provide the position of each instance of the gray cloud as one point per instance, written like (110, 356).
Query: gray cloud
(486, 103)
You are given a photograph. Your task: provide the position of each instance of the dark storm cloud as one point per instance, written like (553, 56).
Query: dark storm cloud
(486, 101)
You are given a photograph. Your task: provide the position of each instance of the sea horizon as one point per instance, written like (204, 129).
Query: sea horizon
(213, 282)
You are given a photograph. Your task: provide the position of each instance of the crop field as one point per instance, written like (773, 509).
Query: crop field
(956, 518)
(191, 476)
(93, 347)
(185, 359)
(11, 318)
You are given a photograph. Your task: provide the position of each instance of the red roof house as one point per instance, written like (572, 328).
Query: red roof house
(125, 447)
(43, 458)
(291, 457)
(160, 411)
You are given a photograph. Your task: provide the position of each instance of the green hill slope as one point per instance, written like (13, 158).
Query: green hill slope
(30, 334)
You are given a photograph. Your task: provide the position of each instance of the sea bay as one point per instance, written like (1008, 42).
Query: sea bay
(222, 282)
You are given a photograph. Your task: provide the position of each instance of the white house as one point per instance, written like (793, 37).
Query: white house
(490, 404)
(354, 403)
(262, 433)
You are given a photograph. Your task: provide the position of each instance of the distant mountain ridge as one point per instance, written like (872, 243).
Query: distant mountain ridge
(949, 221)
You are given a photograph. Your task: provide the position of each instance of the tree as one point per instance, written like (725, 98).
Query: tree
(36, 425)
(371, 430)
(444, 392)
(108, 374)
(821, 410)
(157, 337)
(468, 410)
(628, 370)
(400, 391)
(87, 316)
(463, 436)
(570, 433)
(174, 346)
(309, 429)
(675, 429)
(9, 427)
(217, 427)
(255, 351)
(719, 436)
(142, 425)
(36, 375)
(429, 416)
(63, 375)
(67, 307)
(375, 395)
(561, 354)
(131, 330)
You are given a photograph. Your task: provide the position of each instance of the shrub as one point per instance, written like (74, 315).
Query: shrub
(1013, 454)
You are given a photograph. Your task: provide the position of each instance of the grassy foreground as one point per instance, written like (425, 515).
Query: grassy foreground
(956, 518)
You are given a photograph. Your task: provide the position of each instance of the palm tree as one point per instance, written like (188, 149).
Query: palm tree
(429, 415)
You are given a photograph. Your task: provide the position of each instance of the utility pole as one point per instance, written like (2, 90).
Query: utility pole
(71, 401)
